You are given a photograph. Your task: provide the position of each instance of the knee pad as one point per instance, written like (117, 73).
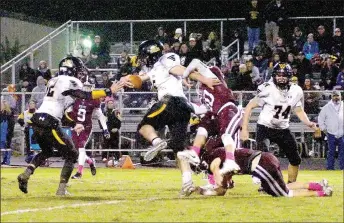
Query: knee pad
(72, 155)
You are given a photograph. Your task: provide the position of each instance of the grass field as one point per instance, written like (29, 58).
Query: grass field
(151, 195)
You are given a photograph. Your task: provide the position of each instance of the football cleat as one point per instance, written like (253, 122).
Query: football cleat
(189, 156)
(324, 184)
(328, 191)
(77, 175)
(93, 169)
(229, 166)
(23, 179)
(62, 190)
(187, 189)
(154, 150)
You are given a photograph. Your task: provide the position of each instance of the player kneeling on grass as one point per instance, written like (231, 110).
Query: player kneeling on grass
(264, 168)
(80, 114)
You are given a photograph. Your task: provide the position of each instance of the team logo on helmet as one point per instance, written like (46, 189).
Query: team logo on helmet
(67, 63)
(154, 49)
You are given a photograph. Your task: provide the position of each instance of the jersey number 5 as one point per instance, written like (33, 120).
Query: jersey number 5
(285, 113)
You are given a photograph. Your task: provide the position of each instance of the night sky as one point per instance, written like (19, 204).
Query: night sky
(63, 10)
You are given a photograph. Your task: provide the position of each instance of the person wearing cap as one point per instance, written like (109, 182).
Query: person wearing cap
(100, 54)
(24, 121)
(298, 39)
(331, 123)
(195, 48)
(178, 35)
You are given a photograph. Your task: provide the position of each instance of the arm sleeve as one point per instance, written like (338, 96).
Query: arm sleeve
(101, 118)
(95, 94)
(321, 119)
(262, 94)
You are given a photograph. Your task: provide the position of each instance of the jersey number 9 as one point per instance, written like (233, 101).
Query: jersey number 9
(81, 115)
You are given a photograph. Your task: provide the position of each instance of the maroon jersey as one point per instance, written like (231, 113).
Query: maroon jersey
(219, 96)
(267, 171)
(82, 111)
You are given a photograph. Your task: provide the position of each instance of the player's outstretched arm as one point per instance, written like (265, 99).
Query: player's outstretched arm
(246, 118)
(301, 114)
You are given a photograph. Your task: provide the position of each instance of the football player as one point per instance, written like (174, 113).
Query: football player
(223, 118)
(81, 112)
(264, 168)
(277, 99)
(46, 122)
(172, 109)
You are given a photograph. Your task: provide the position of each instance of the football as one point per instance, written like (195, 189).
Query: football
(136, 81)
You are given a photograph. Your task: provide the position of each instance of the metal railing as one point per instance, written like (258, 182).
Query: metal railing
(72, 29)
(130, 122)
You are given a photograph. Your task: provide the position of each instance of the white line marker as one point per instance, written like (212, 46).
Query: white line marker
(72, 206)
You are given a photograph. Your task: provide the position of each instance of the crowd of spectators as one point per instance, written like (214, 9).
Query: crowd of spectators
(316, 58)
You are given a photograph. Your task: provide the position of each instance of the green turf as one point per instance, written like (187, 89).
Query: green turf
(151, 195)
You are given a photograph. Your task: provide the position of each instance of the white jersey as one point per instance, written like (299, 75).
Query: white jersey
(54, 102)
(277, 104)
(166, 83)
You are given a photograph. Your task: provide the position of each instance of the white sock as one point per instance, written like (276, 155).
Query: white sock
(186, 177)
(156, 141)
(82, 156)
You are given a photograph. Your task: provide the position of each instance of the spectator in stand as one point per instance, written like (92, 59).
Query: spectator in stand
(178, 35)
(280, 49)
(244, 80)
(195, 48)
(254, 22)
(184, 49)
(253, 71)
(10, 99)
(114, 124)
(83, 48)
(123, 59)
(338, 43)
(331, 123)
(233, 75)
(43, 70)
(6, 129)
(340, 77)
(298, 40)
(167, 47)
(262, 63)
(294, 79)
(305, 67)
(237, 34)
(176, 46)
(161, 36)
(296, 74)
(311, 98)
(310, 47)
(329, 71)
(291, 59)
(26, 73)
(274, 60)
(39, 91)
(213, 49)
(275, 15)
(23, 120)
(324, 40)
(100, 54)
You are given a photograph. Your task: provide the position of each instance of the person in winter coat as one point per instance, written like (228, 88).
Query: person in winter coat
(6, 130)
(39, 91)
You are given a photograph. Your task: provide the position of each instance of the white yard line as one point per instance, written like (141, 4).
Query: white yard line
(72, 206)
